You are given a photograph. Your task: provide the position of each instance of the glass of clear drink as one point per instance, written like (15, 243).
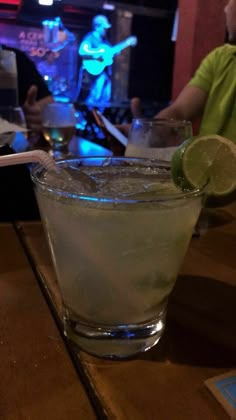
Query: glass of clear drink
(118, 230)
(59, 126)
(155, 137)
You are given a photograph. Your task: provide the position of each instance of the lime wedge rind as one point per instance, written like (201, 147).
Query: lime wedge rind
(207, 162)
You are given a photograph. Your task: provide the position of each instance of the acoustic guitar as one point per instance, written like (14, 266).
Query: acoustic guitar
(103, 56)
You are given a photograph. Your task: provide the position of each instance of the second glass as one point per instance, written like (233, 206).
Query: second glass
(157, 138)
(59, 126)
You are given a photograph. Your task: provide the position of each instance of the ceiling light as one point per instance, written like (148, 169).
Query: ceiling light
(45, 2)
(108, 6)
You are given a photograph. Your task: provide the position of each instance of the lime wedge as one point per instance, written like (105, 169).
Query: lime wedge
(207, 162)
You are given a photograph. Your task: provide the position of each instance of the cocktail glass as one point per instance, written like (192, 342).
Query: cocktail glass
(149, 137)
(118, 230)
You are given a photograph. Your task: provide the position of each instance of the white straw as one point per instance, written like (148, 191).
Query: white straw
(38, 156)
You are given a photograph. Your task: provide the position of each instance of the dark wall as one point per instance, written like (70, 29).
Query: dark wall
(151, 63)
(160, 4)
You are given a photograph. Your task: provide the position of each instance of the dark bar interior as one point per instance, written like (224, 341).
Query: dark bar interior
(144, 71)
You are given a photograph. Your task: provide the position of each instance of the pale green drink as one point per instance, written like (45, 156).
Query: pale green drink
(117, 250)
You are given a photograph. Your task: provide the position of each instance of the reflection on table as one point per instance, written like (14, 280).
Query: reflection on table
(78, 146)
(82, 147)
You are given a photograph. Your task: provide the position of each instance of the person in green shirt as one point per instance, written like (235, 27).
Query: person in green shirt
(211, 94)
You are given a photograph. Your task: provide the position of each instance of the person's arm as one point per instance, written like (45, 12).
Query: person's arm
(87, 52)
(65, 36)
(188, 105)
(33, 92)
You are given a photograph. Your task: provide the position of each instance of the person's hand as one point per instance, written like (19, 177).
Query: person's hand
(136, 112)
(58, 20)
(136, 107)
(32, 110)
(124, 128)
(33, 116)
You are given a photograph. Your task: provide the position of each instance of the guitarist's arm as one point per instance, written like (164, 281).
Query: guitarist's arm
(88, 53)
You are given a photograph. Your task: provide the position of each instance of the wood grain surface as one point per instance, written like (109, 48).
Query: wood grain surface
(38, 379)
(167, 382)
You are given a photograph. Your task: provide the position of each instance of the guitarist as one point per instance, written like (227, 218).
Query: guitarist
(92, 47)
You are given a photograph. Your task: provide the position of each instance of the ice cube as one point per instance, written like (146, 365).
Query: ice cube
(81, 181)
(71, 180)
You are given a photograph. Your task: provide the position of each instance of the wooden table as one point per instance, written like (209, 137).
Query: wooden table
(42, 374)
(38, 379)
